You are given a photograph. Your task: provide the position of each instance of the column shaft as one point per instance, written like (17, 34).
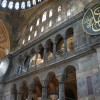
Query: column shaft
(19, 94)
(30, 95)
(65, 46)
(44, 93)
(54, 51)
(61, 91)
(45, 55)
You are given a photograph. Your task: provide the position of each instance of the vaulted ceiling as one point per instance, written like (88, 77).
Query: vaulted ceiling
(4, 41)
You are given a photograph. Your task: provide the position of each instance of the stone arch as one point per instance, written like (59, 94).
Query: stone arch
(4, 40)
(70, 82)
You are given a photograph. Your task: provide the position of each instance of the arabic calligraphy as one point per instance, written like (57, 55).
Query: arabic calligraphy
(91, 20)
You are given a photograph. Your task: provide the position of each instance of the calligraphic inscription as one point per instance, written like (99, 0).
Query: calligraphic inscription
(91, 20)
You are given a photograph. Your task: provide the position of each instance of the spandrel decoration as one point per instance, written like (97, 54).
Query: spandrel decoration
(91, 20)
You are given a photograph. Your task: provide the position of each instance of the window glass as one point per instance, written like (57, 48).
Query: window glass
(29, 37)
(17, 5)
(50, 13)
(4, 3)
(44, 16)
(10, 6)
(39, 0)
(50, 23)
(34, 2)
(59, 18)
(42, 28)
(38, 22)
(23, 41)
(23, 5)
(35, 34)
(28, 3)
(31, 28)
(59, 8)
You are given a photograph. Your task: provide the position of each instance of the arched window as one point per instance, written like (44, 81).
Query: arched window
(35, 33)
(10, 5)
(50, 12)
(59, 8)
(50, 23)
(31, 28)
(28, 3)
(34, 2)
(4, 3)
(23, 41)
(39, 0)
(29, 37)
(42, 28)
(17, 5)
(38, 22)
(69, 12)
(44, 16)
(23, 5)
(59, 18)
(70, 39)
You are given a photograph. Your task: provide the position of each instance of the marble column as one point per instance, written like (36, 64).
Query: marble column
(65, 45)
(44, 92)
(61, 91)
(30, 94)
(19, 94)
(54, 51)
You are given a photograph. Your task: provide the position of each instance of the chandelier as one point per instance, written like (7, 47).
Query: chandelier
(19, 4)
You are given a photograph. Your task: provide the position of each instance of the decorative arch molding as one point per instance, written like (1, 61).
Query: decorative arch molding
(4, 40)
(67, 71)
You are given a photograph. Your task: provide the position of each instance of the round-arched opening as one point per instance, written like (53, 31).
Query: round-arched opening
(59, 45)
(70, 39)
(40, 55)
(32, 59)
(37, 89)
(52, 87)
(24, 91)
(49, 51)
(70, 83)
